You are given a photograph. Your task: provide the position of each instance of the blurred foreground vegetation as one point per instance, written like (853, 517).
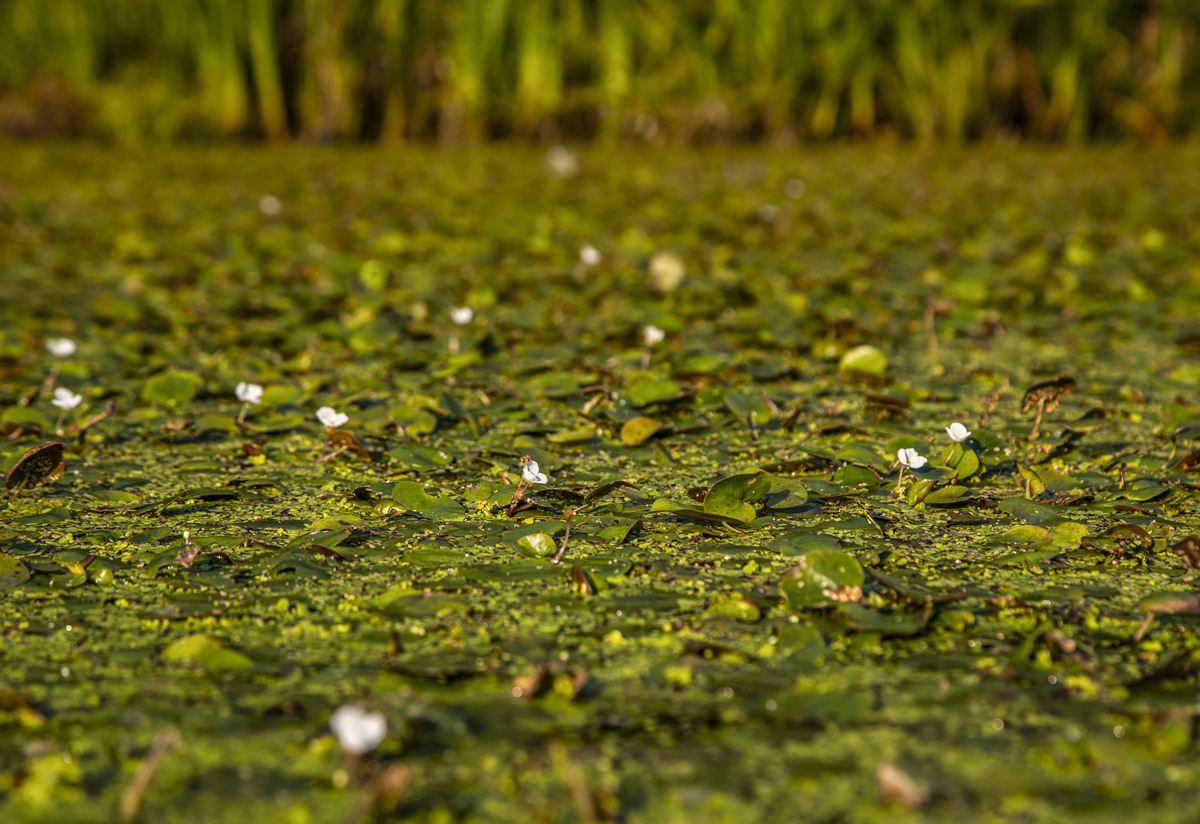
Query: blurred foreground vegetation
(648, 70)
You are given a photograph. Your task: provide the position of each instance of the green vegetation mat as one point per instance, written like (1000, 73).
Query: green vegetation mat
(756, 618)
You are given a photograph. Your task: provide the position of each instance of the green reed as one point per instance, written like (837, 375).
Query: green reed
(646, 69)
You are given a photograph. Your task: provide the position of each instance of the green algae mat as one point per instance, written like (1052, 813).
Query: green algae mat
(831, 485)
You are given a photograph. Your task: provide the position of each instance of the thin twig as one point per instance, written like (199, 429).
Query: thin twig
(576, 788)
(332, 454)
(131, 800)
(870, 517)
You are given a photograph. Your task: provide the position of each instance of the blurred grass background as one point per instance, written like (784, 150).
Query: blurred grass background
(133, 71)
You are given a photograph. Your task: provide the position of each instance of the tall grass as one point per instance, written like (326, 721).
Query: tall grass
(644, 69)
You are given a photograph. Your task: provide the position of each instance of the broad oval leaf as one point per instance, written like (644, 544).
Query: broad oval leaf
(785, 493)
(13, 572)
(1030, 511)
(895, 623)
(865, 359)
(948, 496)
(174, 386)
(282, 395)
(733, 496)
(207, 652)
(412, 496)
(734, 605)
(638, 430)
(645, 388)
(536, 545)
(822, 578)
(745, 405)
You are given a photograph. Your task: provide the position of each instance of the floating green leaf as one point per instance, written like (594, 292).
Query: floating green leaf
(13, 572)
(636, 431)
(207, 652)
(747, 406)
(734, 605)
(894, 623)
(537, 545)
(412, 496)
(821, 578)
(865, 359)
(172, 386)
(1030, 511)
(733, 497)
(645, 388)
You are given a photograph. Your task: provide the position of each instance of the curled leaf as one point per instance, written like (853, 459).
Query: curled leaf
(40, 465)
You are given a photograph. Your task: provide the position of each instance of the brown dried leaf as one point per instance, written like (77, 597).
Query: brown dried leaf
(42, 464)
(1189, 461)
(327, 552)
(347, 440)
(525, 686)
(896, 786)
(1189, 550)
(187, 555)
(1047, 393)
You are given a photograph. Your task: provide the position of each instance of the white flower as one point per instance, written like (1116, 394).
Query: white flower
(531, 475)
(331, 417)
(561, 162)
(357, 730)
(958, 432)
(61, 347)
(65, 399)
(910, 458)
(462, 315)
(249, 392)
(270, 205)
(652, 334)
(589, 255)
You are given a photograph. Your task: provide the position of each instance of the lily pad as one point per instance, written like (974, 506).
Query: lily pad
(13, 572)
(822, 578)
(733, 497)
(1030, 511)
(645, 388)
(172, 386)
(412, 496)
(865, 359)
(537, 545)
(746, 406)
(734, 605)
(638, 430)
(207, 652)
(894, 623)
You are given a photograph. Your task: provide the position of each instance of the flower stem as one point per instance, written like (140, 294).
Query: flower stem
(562, 550)
(516, 498)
